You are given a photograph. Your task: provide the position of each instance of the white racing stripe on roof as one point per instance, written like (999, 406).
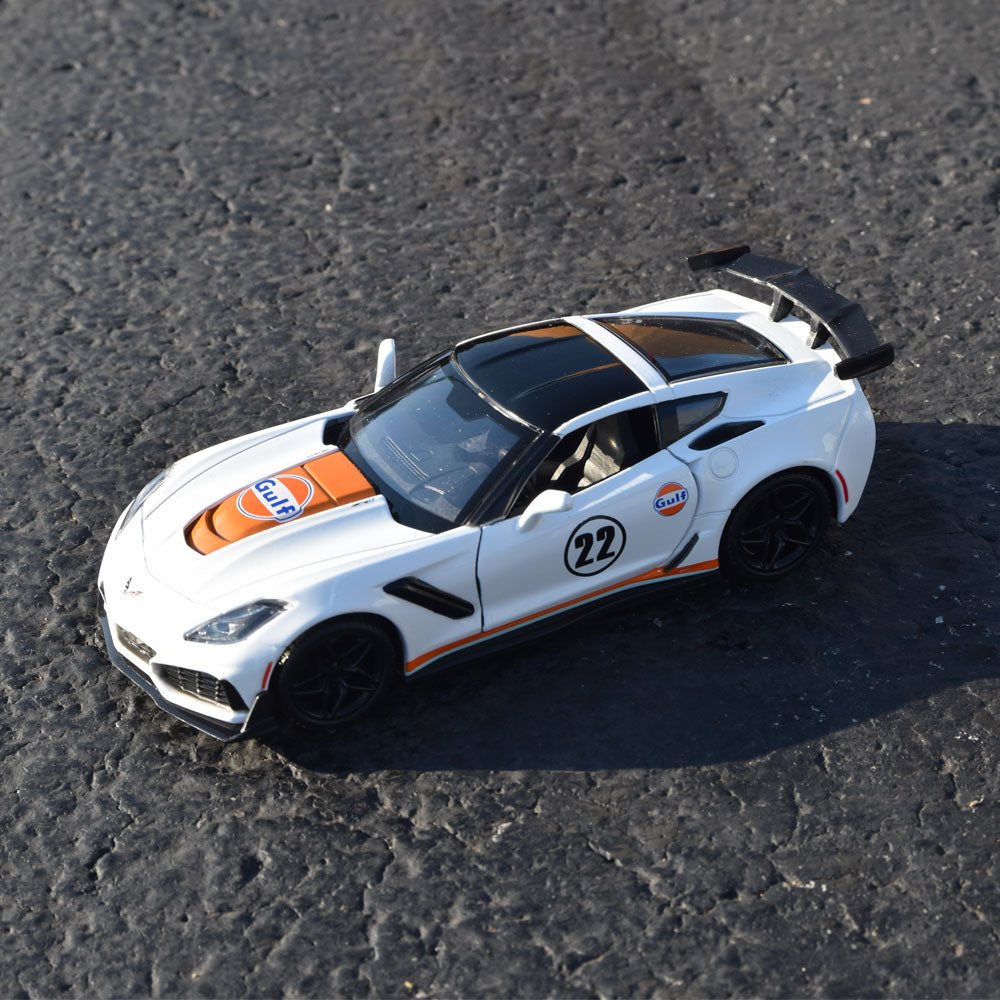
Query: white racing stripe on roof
(717, 303)
(647, 372)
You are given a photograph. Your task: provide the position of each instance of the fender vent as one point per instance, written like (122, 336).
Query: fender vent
(424, 595)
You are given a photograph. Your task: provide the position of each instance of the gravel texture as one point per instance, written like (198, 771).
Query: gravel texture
(210, 214)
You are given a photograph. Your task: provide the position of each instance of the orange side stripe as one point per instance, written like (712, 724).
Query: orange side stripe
(653, 574)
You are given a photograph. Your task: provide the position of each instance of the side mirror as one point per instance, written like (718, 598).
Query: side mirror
(547, 502)
(385, 366)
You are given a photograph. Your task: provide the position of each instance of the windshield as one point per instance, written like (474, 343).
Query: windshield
(433, 447)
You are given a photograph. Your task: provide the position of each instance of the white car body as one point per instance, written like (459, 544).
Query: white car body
(662, 519)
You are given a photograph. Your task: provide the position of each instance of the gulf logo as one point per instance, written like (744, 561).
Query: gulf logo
(277, 499)
(670, 499)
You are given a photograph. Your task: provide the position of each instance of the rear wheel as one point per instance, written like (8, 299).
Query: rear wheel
(335, 674)
(775, 527)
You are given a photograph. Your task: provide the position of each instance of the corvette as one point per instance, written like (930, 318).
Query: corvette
(292, 575)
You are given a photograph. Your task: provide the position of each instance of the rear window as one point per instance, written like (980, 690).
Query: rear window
(683, 346)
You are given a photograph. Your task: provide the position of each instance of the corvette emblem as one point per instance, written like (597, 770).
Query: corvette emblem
(130, 593)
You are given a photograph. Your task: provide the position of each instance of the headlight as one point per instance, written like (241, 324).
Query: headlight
(236, 624)
(143, 496)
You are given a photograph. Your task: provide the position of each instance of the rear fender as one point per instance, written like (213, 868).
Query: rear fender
(808, 439)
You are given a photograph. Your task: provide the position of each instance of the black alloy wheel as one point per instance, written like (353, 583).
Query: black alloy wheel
(335, 674)
(775, 527)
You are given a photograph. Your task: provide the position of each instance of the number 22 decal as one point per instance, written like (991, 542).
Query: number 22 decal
(594, 545)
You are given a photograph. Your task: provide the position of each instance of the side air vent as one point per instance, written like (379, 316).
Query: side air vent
(421, 593)
(724, 432)
(682, 554)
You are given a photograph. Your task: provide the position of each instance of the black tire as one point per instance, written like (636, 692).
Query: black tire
(775, 527)
(335, 674)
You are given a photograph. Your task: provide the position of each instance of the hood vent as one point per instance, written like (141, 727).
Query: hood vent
(331, 480)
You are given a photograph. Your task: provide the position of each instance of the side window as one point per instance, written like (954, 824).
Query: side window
(591, 454)
(681, 416)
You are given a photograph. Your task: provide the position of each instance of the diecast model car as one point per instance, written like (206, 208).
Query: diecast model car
(293, 574)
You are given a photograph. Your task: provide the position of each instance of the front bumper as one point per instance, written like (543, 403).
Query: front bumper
(259, 720)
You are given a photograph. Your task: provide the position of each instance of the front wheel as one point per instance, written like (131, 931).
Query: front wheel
(775, 527)
(335, 674)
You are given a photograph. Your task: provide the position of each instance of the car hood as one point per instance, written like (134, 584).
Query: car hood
(278, 507)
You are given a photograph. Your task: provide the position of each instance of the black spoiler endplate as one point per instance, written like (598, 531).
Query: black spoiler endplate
(832, 317)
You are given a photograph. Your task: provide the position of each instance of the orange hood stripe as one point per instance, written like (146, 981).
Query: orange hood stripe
(339, 478)
(317, 485)
(652, 576)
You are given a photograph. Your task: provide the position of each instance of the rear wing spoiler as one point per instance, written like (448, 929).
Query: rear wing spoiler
(831, 316)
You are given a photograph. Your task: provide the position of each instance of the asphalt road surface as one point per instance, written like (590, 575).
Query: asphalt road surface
(210, 214)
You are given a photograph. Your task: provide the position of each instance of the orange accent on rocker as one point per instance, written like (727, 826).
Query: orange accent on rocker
(317, 485)
(652, 575)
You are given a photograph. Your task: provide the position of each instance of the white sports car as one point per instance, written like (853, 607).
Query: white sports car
(295, 573)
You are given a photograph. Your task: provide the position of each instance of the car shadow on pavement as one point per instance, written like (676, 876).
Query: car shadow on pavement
(897, 607)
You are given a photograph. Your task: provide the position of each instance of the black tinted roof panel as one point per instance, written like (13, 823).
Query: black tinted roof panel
(547, 374)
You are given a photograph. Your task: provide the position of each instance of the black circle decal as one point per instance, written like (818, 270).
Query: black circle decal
(594, 545)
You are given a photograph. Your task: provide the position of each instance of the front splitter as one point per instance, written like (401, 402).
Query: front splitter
(259, 721)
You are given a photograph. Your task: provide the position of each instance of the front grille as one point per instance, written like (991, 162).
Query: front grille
(135, 645)
(203, 686)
